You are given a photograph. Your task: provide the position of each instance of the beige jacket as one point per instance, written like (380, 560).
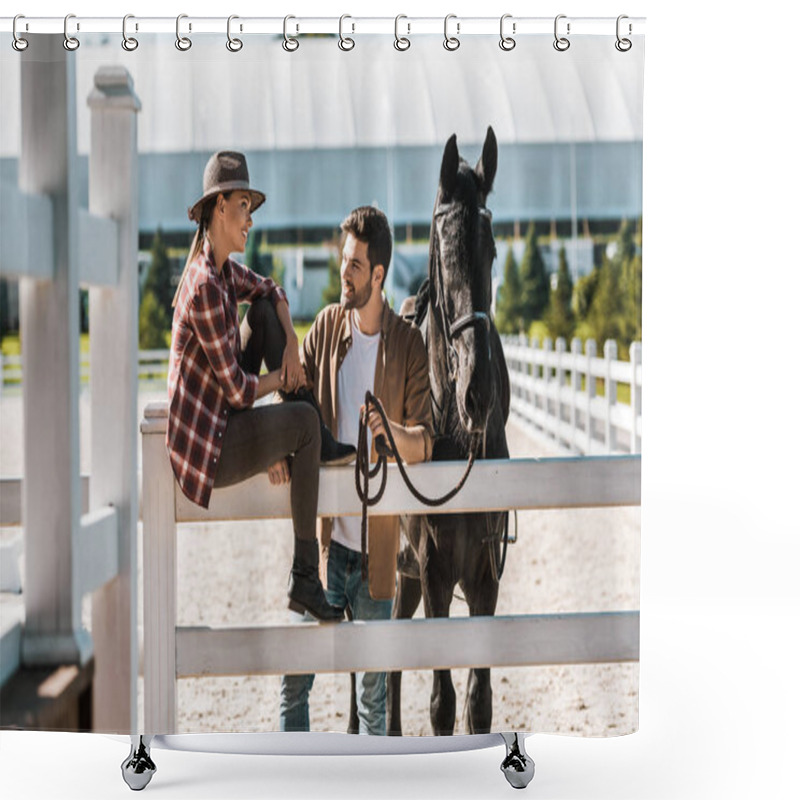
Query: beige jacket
(401, 384)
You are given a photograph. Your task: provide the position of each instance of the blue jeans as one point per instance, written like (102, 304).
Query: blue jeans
(345, 587)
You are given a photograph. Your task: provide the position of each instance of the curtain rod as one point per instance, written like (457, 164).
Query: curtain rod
(349, 25)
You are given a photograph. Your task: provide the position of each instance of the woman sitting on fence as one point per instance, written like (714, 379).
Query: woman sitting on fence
(215, 436)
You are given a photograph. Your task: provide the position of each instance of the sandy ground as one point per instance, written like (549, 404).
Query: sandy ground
(563, 561)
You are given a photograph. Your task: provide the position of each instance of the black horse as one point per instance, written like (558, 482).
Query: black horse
(470, 394)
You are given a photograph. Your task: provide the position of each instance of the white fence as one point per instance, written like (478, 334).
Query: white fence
(53, 246)
(172, 652)
(152, 364)
(554, 393)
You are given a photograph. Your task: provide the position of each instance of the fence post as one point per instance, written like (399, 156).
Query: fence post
(159, 572)
(532, 371)
(548, 348)
(591, 391)
(49, 325)
(114, 348)
(610, 353)
(636, 397)
(575, 349)
(561, 349)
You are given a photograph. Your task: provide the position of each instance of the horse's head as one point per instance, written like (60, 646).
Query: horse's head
(462, 252)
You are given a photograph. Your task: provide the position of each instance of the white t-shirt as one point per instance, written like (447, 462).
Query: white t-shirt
(356, 377)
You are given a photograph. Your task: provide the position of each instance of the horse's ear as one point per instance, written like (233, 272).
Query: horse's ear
(450, 161)
(487, 166)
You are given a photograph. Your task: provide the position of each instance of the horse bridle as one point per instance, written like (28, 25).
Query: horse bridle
(452, 332)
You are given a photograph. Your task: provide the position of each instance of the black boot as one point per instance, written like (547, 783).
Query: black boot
(305, 589)
(332, 453)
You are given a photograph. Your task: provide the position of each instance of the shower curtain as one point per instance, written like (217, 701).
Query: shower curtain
(326, 129)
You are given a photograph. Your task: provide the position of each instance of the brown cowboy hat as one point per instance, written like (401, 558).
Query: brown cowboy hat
(226, 171)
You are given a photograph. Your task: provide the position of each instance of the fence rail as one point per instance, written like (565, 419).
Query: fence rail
(153, 364)
(172, 652)
(554, 393)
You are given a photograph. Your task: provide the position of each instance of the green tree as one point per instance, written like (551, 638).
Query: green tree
(155, 307)
(252, 257)
(159, 276)
(508, 316)
(560, 317)
(631, 287)
(333, 291)
(534, 279)
(584, 293)
(153, 322)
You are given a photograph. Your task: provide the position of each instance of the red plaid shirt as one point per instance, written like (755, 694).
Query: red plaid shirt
(205, 379)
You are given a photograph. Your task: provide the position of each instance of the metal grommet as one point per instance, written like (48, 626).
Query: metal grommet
(290, 44)
(70, 42)
(183, 43)
(19, 44)
(623, 45)
(401, 43)
(345, 43)
(507, 42)
(128, 42)
(233, 44)
(451, 42)
(561, 43)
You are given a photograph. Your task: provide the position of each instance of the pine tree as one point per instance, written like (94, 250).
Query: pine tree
(560, 317)
(508, 316)
(159, 276)
(333, 291)
(534, 279)
(631, 288)
(155, 307)
(153, 322)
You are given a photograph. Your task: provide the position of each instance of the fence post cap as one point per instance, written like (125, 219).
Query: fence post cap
(610, 348)
(113, 88)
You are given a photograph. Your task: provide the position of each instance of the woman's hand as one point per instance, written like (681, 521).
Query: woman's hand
(292, 374)
(279, 473)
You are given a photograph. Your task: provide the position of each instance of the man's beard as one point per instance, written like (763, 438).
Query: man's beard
(359, 299)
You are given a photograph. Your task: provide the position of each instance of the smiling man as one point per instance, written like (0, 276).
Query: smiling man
(355, 346)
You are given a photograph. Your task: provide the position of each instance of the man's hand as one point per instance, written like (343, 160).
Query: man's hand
(375, 420)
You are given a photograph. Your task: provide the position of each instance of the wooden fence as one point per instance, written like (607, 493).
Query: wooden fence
(172, 652)
(554, 393)
(54, 247)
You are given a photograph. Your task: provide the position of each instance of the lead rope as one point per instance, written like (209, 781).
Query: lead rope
(384, 450)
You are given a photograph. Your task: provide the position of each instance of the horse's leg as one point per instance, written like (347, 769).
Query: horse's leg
(480, 592)
(406, 601)
(437, 594)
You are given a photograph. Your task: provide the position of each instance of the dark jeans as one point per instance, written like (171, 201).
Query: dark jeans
(256, 438)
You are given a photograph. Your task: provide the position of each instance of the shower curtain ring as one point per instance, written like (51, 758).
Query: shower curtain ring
(70, 42)
(451, 42)
(183, 43)
(128, 42)
(401, 43)
(345, 42)
(561, 43)
(623, 45)
(290, 44)
(234, 45)
(507, 42)
(19, 44)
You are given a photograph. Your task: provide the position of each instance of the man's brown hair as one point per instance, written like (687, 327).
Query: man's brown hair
(369, 224)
